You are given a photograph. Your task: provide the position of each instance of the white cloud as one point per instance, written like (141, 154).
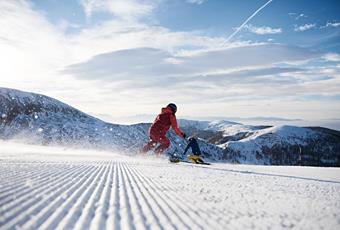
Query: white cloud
(300, 16)
(127, 9)
(28, 43)
(331, 24)
(90, 6)
(297, 16)
(304, 27)
(148, 63)
(33, 51)
(263, 29)
(331, 57)
(198, 2)
(185, 67)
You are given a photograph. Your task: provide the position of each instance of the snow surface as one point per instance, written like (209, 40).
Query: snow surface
(59, 188)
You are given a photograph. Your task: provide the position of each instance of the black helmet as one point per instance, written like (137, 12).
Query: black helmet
(173, 107)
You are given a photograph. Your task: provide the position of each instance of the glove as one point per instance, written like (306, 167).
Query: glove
(184, 135)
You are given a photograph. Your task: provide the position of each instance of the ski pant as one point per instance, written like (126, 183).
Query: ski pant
(194, 147)
(154, 139)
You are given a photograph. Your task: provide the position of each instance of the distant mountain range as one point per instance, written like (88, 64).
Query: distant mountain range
(39, 119)
(271, 145)
(331, 123)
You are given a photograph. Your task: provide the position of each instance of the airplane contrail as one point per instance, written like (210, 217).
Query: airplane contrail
(246, 21)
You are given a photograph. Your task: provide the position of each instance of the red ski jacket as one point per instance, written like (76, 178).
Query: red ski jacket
(163, 122)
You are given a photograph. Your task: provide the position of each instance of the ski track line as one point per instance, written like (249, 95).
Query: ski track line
(16, 176)
(172, 189)
(35, 205)
(19, 183)
(36, 185)
(75, 205)
(90, 207)
(167, 202)
(198, 211)
(26, 196)
(173, 219)
(113, 221)
(103, 206)
(25, 174)
(125, 208)
(134, 205)
(195, 213)
(145, 213)
(182, 207)
(211, 213)
(42, 178)
(149, 215)
(52, 216)
(67, 191)
(55, 201)
(152, 201)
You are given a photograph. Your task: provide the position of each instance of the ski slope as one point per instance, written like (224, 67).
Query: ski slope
(55, 188)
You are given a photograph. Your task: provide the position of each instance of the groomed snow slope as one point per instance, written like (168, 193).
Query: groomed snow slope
(53, 188)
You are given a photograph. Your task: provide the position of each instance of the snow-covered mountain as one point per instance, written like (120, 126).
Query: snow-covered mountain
(274, 145)
(219, 131)
(287, 145)
(36, 118)
(41, 119)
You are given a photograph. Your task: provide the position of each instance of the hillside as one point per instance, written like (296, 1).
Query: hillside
(38, 119)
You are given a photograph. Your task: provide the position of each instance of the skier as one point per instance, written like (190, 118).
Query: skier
(160, 127)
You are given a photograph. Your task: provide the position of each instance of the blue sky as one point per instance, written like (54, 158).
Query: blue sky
(220, 18)
(116, 58)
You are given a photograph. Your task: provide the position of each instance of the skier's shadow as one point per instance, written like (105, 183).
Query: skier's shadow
(275, 175)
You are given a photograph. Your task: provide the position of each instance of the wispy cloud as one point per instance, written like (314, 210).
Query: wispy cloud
(297, 16)
(262, 30)
(332, 57)
(198, 2)
(146, 65)
(331, 24)
(304, 27)
(127, 9)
